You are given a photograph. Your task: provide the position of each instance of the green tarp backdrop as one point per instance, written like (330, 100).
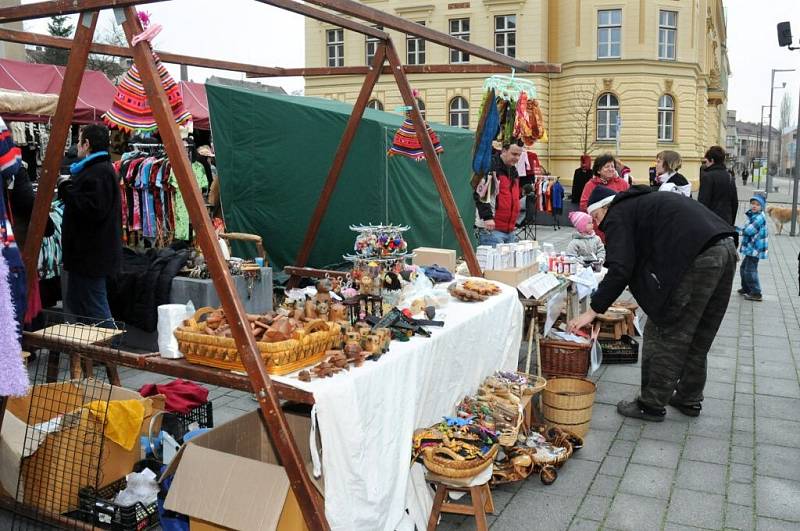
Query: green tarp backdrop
(273, 154)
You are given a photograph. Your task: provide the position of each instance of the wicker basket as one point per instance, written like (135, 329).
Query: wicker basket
(567, 403)
(564, 358)
(307, 347)
(508, 437)
(444, 462)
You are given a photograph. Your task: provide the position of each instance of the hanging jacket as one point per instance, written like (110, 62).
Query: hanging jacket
(503, 205)
(651, 241)
(558, 195)
(579, 180)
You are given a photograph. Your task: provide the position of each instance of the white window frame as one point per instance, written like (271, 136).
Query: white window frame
(667, 28)
(375, 103)
(609, 33)
(334, 45)
(666, 118)
(504, 34)
(458, 31)
(459, 112)
(607, 112)
(371, 46)
(415, 49)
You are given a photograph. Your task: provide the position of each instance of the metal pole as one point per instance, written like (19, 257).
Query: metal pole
(769, 131)
(796, 171)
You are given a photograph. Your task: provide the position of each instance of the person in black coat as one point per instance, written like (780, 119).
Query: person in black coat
(581, 176)
(679, 260)
(91, 232)
(717, 187)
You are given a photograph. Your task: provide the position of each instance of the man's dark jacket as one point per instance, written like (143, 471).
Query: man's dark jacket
(718, 192)
(651, 240)
(91, 231)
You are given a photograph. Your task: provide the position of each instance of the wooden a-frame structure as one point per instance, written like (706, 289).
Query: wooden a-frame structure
(81, 45)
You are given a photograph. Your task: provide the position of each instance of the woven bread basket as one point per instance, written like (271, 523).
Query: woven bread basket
(307, 346)
(445, 462)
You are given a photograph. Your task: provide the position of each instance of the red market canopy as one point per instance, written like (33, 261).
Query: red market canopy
(94, 98)
(196, 102)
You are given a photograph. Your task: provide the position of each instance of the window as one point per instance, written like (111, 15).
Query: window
(666, 117)
(335, 46)
(607, 115)
(459, 112)
(505, 35)
(459, 27)
(375, 104)
(667, 34)
(415, 49)
(609, 33)
(371, 46)
(421, 105)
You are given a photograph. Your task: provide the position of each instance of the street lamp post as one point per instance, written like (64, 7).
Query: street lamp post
(760, 146)
(769, 128)
(796, 172)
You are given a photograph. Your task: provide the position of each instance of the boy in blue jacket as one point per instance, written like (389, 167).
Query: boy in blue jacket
(753, 248)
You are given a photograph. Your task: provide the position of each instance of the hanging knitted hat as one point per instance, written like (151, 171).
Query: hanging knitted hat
(131, 111)
(407, 144)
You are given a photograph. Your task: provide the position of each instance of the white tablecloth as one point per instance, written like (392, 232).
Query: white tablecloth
(367, 416)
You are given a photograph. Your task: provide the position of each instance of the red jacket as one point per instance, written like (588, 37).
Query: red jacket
(615, 183)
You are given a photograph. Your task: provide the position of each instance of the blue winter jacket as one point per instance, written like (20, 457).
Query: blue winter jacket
(754, 233)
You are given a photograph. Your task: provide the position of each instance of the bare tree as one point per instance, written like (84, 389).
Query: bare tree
(787, 113)
(112, 67)
(581, 110)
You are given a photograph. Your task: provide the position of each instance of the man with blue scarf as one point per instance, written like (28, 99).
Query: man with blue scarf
(91, 230)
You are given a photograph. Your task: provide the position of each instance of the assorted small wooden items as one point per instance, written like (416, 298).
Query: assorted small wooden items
(473, 290)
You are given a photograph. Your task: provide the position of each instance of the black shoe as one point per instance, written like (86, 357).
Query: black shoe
(753, 297)
(741, 291)
(634, 410)
(689, 411)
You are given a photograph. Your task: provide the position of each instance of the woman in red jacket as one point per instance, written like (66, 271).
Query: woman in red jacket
(605, 174)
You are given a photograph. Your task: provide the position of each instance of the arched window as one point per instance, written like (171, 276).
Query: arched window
(421, 105)
(666, 118)
(459, 112)
(607, 116)
(375, 104)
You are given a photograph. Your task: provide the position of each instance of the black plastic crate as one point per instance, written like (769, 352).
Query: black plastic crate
(98, 507)
(624, 350)
(177, 424)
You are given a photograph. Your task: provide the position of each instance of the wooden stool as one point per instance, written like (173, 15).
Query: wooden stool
(612, 325)
(482, 503)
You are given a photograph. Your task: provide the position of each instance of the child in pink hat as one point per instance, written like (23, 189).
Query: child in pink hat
(585, 244)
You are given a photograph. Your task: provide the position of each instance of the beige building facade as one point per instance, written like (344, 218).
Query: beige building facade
(656, 68)
(12, 50)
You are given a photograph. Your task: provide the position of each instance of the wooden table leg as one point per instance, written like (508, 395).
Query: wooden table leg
(74, 366)
(433, 521)
(477, 505)
(53, 363)
(113, 374)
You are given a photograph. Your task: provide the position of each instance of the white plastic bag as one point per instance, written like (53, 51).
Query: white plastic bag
(597, 350)
(170, 316)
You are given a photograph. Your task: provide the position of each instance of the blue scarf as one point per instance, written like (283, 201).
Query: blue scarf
(76, 167)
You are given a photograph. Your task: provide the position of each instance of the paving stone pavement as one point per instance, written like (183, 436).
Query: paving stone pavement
(736, 466)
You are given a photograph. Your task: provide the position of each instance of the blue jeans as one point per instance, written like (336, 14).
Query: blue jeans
(749, 272)
(493, 237)
(87, 299)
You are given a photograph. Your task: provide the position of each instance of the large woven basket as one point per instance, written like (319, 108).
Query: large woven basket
(564, 358)
(444, 462)
(307, 347)
(567, 403)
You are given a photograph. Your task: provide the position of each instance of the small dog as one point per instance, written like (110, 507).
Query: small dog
(780, 215)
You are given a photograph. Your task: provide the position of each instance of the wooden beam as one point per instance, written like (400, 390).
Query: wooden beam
(62, 7)
(433, 161)
(330, 18)
(38, 39)
(65, 109)
(387, 20)
(409, 69)
(340, 158)
(310, 502)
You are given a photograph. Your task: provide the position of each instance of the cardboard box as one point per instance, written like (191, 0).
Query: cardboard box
(428, 256)
(512, 276)
(63, 458)
(231, 478)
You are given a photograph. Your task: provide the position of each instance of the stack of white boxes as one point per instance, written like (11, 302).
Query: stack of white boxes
(507, 255)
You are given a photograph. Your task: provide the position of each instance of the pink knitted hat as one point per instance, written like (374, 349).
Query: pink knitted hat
(580, 220)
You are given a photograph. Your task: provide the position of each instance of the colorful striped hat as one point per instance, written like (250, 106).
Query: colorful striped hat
(131, 111)
(407, 144)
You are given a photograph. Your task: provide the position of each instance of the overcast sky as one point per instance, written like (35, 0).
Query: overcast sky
(250, 32)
